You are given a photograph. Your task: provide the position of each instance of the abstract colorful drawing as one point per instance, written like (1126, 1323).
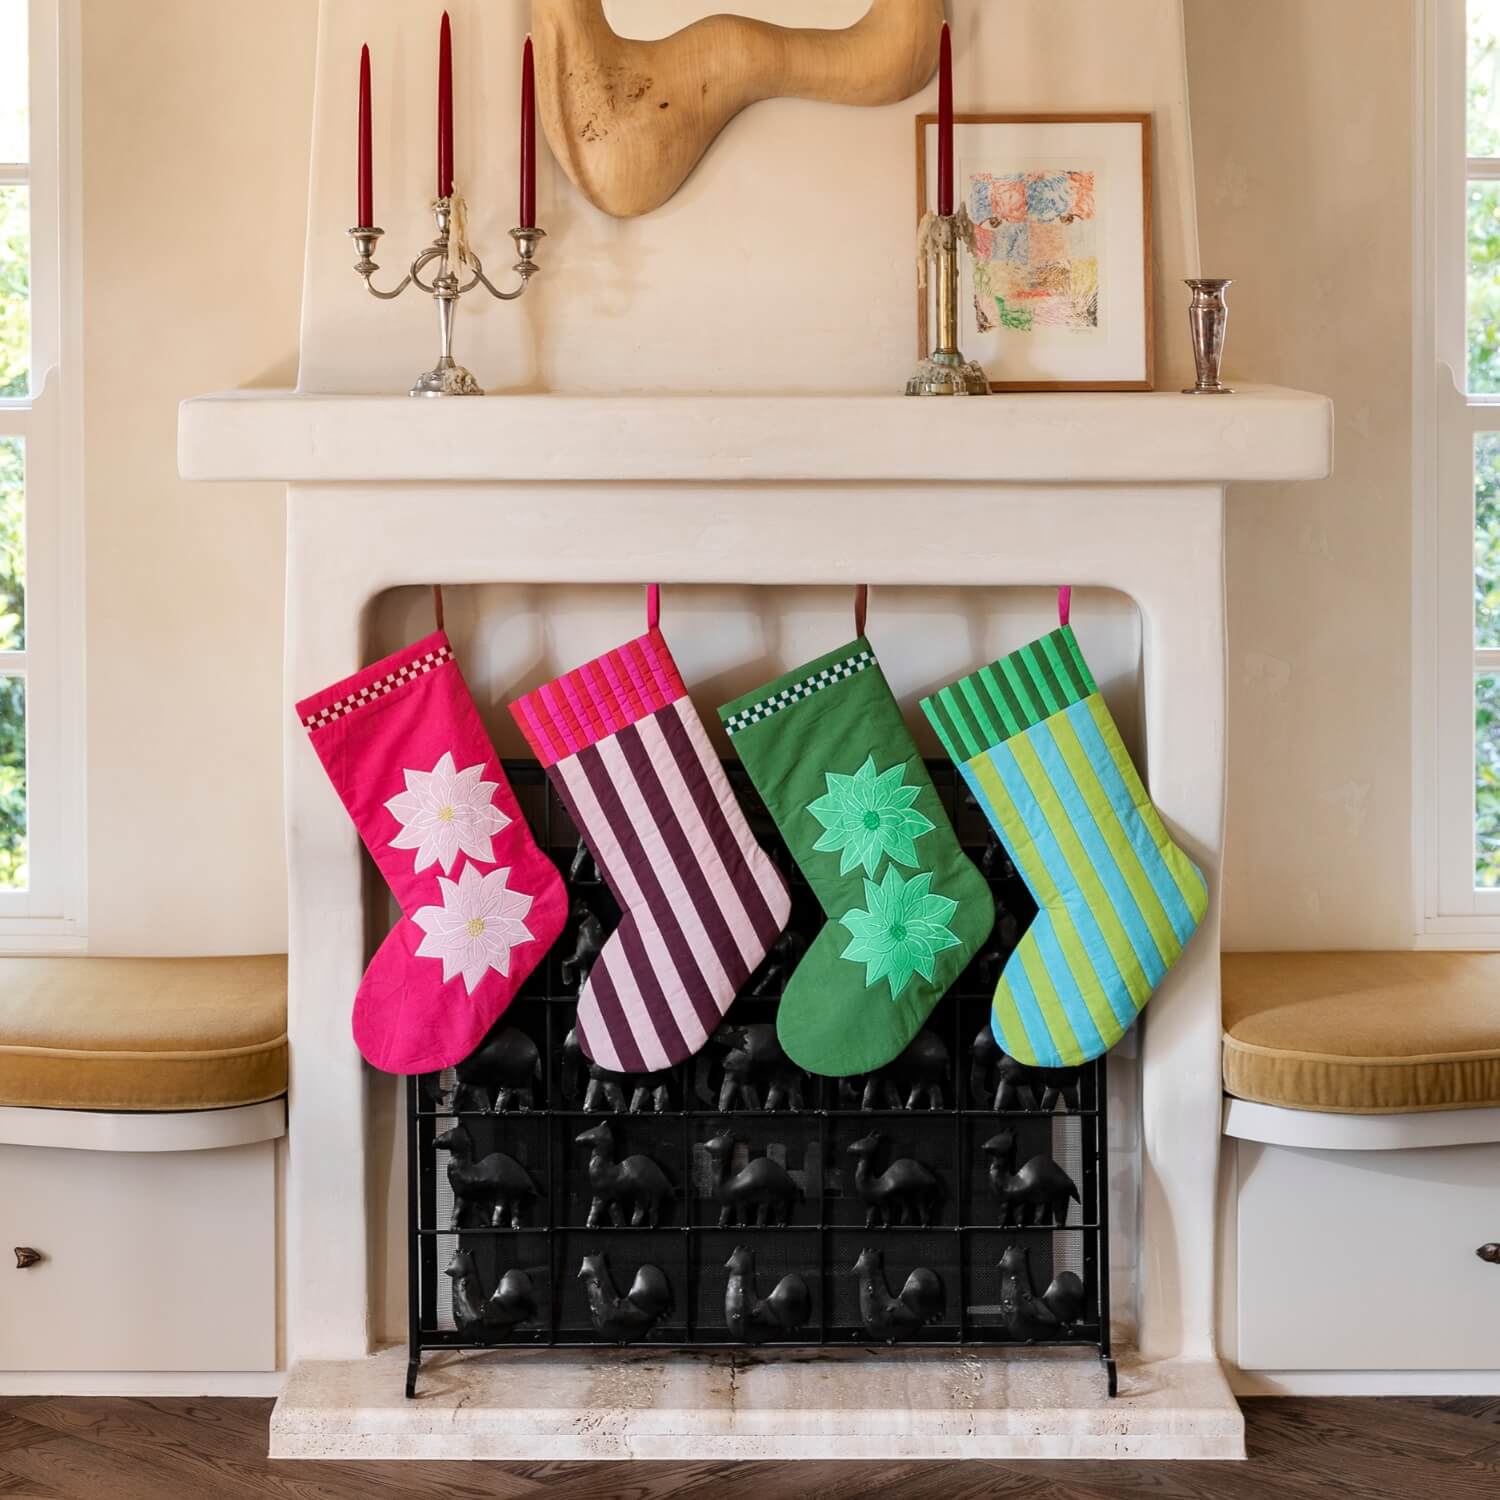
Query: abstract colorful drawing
(1037, 256)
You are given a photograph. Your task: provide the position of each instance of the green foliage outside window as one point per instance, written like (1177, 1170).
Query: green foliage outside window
(12, 783)
(1483, 341)
(15, 282)
(15, 338)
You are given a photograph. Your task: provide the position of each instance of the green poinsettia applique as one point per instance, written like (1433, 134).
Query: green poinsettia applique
(870, 815)
(903, 930)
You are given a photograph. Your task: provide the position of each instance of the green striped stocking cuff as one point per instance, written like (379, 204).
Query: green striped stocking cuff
(1004, 699)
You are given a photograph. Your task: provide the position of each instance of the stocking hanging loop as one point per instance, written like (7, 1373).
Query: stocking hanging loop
(1064, 603)
(437, 604)
(653, 605)
(861, 607)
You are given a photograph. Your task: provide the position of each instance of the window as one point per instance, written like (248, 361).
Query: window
(41, 826)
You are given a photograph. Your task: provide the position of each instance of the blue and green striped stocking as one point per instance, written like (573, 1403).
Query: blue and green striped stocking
(1116, 898)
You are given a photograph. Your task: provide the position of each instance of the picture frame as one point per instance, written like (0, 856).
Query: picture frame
(1055, 300)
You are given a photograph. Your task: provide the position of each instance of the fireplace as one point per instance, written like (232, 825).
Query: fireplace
(1122, 492)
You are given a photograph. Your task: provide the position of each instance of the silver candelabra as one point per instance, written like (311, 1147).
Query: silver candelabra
(446, 286)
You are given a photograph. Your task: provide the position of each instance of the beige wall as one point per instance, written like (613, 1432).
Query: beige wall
(1301, 116)
(197, 118)
(195, 150)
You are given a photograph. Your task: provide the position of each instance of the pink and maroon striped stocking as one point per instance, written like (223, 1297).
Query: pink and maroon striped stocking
(701, 901)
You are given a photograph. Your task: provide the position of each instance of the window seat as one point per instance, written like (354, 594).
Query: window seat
(1363, 1033)
(141, 1121)
(142, 1034)
(1363, 1108)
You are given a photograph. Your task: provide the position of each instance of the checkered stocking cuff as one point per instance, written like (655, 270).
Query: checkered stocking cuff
(767, 701)
(393, 675)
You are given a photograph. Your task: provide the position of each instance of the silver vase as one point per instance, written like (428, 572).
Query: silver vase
(1208, 317)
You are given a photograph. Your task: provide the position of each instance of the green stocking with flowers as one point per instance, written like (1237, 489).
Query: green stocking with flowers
(831, 757)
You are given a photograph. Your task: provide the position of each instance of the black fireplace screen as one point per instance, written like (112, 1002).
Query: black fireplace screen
(955, 1198)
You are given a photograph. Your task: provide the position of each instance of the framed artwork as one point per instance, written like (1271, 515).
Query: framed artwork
(1057, 296)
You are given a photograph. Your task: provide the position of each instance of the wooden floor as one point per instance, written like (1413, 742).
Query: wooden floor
(100, 1449)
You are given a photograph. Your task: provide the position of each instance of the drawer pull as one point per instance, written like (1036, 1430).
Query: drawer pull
(1490, 1252)
(26, 1256)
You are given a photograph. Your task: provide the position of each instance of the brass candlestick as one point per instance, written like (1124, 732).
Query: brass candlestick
(448, 284)
(945, 372)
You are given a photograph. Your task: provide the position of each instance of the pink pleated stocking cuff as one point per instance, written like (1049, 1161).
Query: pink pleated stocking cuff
(598, 699)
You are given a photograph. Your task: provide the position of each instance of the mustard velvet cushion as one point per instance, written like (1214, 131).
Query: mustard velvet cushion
(142, 1033)
(1363, 1033)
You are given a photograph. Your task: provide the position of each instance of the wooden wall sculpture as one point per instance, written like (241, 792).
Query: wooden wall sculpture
(629, 120)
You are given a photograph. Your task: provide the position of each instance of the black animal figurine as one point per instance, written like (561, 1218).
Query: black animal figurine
(753, 1061)
(994, 864)
(763, 1185)
(750, 1317)
(512, 1303)
(1004, 936)
(607, 1091)
(499, 1181)
(1015, 1086)
(623, 1320)
(636, 1187)
(906, 1192)
(499, 1072)
(1040, 1191)
(786, 953)
(891, 1319)
(584, 868)
(588, 940)
(1029, 1317)
(919, 1073)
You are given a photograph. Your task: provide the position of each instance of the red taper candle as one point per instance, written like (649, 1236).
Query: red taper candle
(366, 216)
(528, 139)
(945, 124)
(445, 110)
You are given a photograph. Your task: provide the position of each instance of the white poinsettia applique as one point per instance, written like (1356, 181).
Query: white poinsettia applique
(477, 925)
(444, 813)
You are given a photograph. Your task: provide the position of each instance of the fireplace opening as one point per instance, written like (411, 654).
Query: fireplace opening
(955, 1199)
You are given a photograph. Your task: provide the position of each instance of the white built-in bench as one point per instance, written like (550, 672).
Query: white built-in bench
(1363, 1111)
(140, 1103)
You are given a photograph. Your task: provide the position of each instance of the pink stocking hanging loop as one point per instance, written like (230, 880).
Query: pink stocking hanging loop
(1064, 603)
(653, 605)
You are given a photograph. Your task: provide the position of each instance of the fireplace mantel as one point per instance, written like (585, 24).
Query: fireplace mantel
(1261, 433)
(1124, 491)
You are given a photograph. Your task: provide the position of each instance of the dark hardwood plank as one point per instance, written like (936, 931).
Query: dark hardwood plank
(404, 1479)
(1358, 1476)
(229, 1429)
(1368, 1427)
(19, 1487)
(235, 1439)
(17, 1432)
(848, 1480)
(1482, 1408)
(1131, 1479)
(627, 1481)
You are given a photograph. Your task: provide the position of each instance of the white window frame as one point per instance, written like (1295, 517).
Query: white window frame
(49, 915)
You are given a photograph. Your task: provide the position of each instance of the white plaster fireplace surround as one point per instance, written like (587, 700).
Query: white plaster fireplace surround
(1121, 492)
(615, 477)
